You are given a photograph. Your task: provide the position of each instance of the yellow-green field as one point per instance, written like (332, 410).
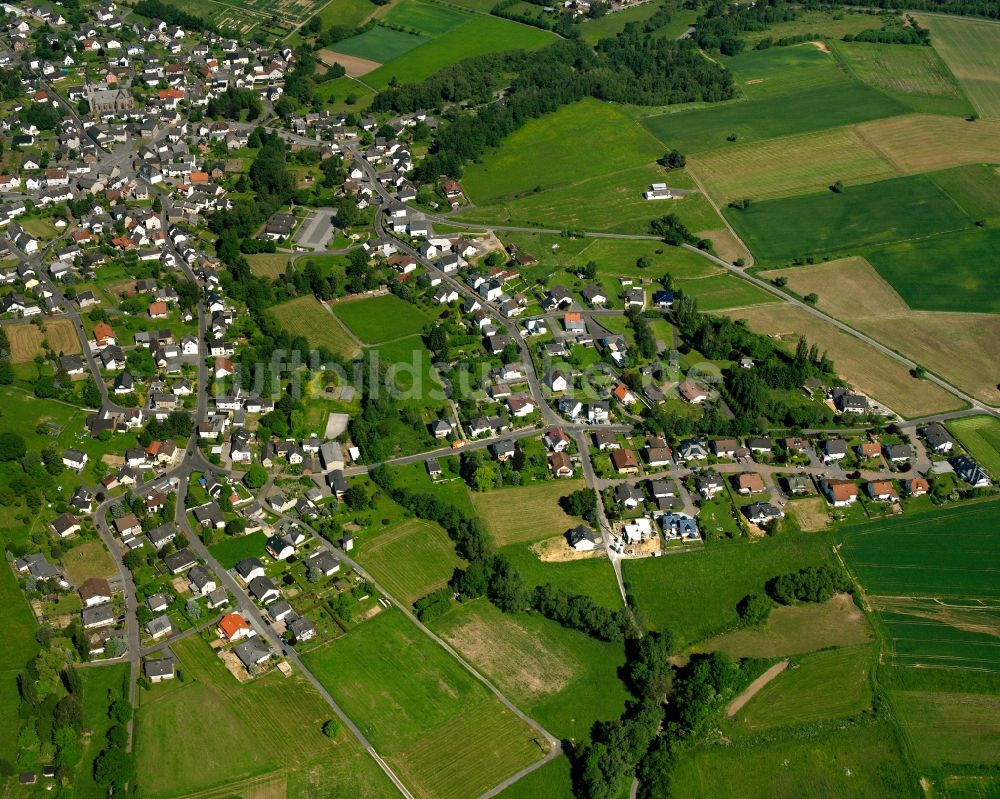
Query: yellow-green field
(971, 48)
(90, 559)
(924, 142)
(411, 559)
(307, 316)
(268, 264)
(527, 513)
(26, 339)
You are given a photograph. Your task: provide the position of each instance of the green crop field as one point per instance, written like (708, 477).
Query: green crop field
(817, 687)
(719, 292)
(544, 154)
(439, 727)
(695, 594)
(971, 48)
(375, 320)
(828, 222)
(553, 781)
(932, 580)
(975, 188)
(411, 559)
(946, 729)
(232, 550)
(971, 788)
(480, 35)
(308, 317)
(779, 114)
(859, 762)
(380, 44)
(270, 724)
(565, 679)
(345, 12)
(101, 686)
(526, 513)
(428, 18)
(955, 272)
(980, 435)
(914, 75)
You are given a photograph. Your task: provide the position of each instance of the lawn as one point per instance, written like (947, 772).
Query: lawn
(914, 75)
(959, 346)
(101, 686)
(89, 559)
(379, 44)
(270, 724)
(563, 678)
(870, 371)
(971, 48)
(437, 726)
(477, 36)
(234, 549)
(673, 592)
(789, 165)
(796, 629)
(980, 435)
(843, 102)
(526, 513)
(859, 762)
(956, 272)
(411, 559)
(817, 687)
(376, 320)
(830, 222)
(940, 604)
(306, 316)
(945, 729)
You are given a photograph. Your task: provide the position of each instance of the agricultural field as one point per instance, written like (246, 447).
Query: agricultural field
(980, 435)
(948, 729)
(426, 18)
(856, 762)
(796, 629)
(863, 366)
(924, 143)
(268, 726)
(831, 222)
(591, 576)
(476, 36)
(828, 24)
(954, 272)
(841, 101)
(553, 781)
(914, 75)
(375, 320)
(959, 347)
(308, 317)
(379, 44)
(345, 12)
(672, 593)
(409, 364)
(939, 605)
(565, 679)
(26, 339)
(411, 559)
(526, 513)
(437, 726)
(789, 165)
(719, 292)
(975, 188)
(971, 49)
(820, 686)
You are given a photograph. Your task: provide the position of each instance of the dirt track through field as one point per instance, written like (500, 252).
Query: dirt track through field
(737, 704)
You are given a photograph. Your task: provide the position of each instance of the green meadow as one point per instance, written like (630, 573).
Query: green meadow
(380, 44)
(375, 320)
